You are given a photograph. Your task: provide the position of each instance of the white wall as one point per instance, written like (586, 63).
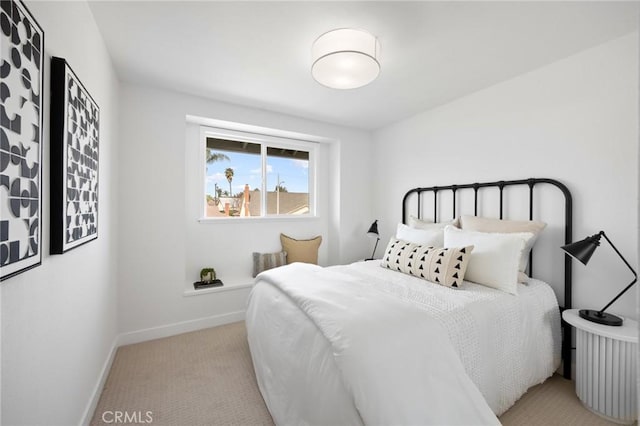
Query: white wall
(163, 247)
(575, 120)
(59, 320)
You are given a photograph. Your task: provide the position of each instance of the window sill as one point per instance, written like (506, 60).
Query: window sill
(231, 285)
(258, 219)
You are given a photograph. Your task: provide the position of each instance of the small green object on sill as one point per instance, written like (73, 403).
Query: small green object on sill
(207, 275)
(207, 284)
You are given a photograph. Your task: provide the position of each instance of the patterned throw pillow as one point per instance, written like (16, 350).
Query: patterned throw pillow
(264, 261)
(445, 266)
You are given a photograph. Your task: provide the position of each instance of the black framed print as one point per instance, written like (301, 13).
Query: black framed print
(21, 82)
(75, 136)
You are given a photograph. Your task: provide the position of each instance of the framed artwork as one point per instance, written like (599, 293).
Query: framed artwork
(21, 82)
(75, 136)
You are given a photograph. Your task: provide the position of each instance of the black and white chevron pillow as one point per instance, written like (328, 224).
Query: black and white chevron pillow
(445, 266)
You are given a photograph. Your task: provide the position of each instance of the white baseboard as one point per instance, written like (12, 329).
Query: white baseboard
(97, 390)
(151, 334)
(178, 328)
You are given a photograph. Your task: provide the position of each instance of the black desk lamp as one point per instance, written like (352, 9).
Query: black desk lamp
(373, 233)
(582, 251)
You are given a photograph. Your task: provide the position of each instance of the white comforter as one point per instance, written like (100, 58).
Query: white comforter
(398, 347)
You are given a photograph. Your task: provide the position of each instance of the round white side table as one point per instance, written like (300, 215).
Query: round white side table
(606, 367)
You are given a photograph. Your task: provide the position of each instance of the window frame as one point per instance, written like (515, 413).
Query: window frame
(264, 141)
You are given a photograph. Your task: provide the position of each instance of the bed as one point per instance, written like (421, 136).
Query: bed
(361, 344)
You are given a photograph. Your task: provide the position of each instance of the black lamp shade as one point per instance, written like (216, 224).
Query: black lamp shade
(583, 250)
(373, 230)
(373, 233)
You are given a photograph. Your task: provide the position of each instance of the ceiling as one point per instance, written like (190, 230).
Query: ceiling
(258, 54)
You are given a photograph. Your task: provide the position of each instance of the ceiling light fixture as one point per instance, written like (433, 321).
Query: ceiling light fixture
(345, 58)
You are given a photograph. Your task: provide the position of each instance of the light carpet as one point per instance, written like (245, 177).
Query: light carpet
(206, 378)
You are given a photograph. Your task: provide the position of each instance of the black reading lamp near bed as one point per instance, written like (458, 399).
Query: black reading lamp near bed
(373, 233)
(582, 251)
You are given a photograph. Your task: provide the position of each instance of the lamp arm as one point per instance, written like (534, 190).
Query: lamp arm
(374, 248)
(619, 294)
(635, 275)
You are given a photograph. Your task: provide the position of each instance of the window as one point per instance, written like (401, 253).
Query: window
(252, 175)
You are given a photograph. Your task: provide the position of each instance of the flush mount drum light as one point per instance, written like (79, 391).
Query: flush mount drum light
(345, 58)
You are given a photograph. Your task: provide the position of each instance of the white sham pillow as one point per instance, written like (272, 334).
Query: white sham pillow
(423, 237)
(414, 222)
(504, 226)
(495, 259)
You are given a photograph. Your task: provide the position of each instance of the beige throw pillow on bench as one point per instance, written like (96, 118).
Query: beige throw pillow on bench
(305, 251)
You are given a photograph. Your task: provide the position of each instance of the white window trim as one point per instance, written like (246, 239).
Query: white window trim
(264, 141)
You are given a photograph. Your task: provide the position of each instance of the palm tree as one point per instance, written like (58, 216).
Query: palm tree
(213, 157)
(228, 173)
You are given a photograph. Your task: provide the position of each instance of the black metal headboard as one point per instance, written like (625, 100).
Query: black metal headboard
(531, 183)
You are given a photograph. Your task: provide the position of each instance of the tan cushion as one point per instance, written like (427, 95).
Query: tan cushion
(266, 261)
(305, 251)
(444, 266)
(502, 226)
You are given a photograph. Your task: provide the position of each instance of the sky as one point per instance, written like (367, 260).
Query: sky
(294, 174)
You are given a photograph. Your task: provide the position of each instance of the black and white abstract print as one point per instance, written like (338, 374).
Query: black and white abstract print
(78, 145)
(21, 72)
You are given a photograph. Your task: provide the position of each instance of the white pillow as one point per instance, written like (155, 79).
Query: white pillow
(414, 222)
(423, 237)
(495, 259)
(503, 226)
